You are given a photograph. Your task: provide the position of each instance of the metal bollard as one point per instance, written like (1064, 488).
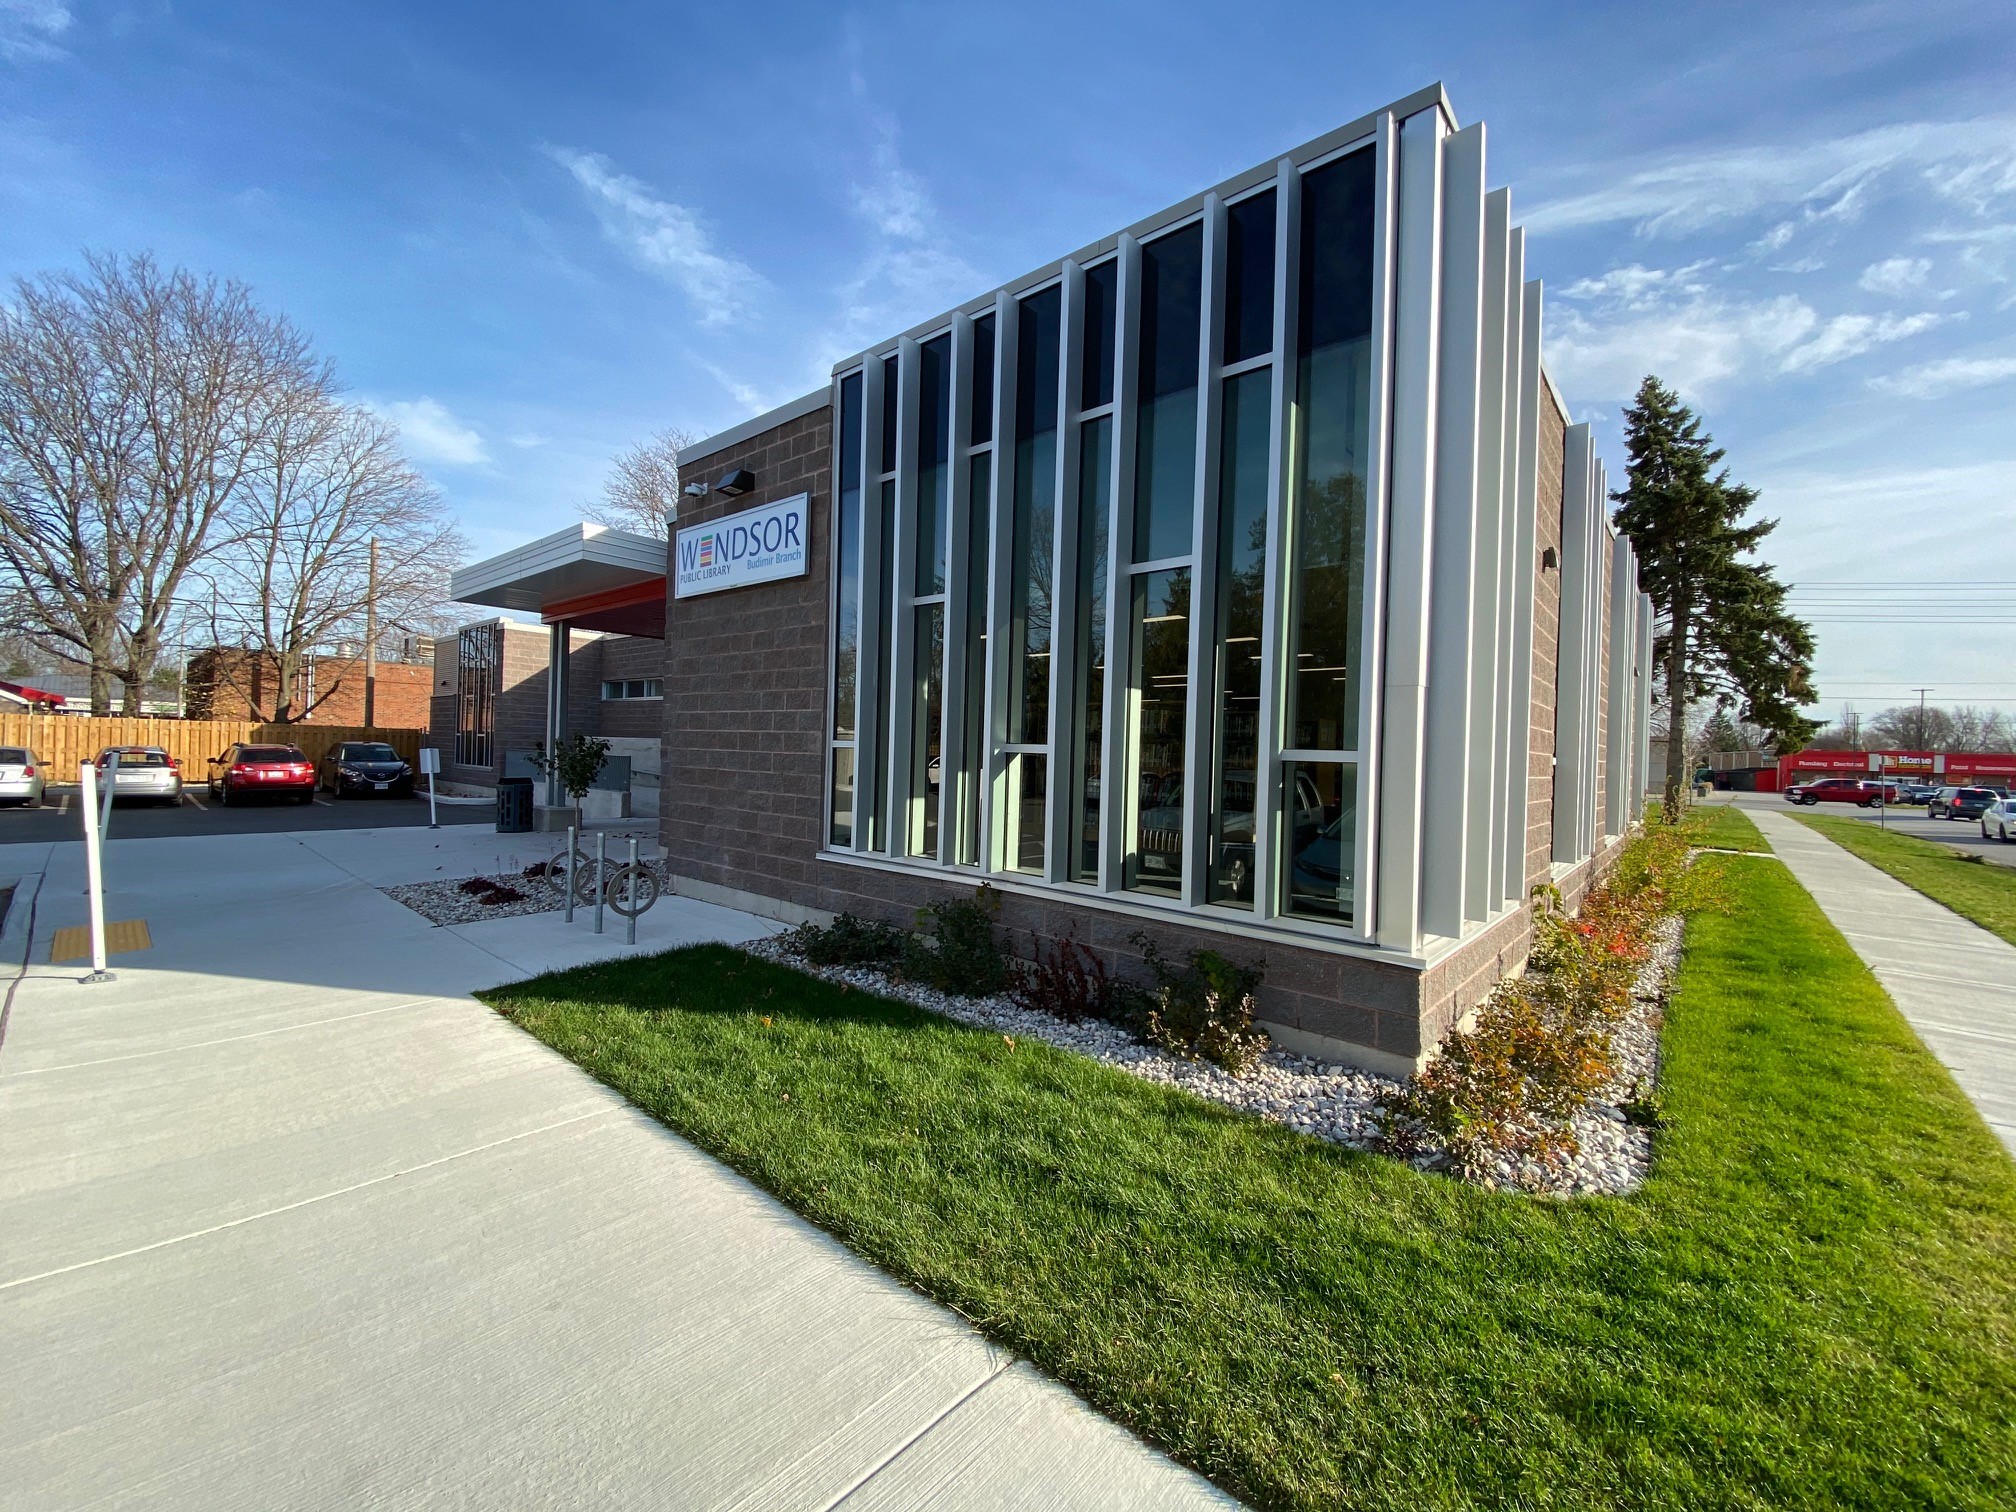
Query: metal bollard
(630, 909)
(568, 875)
(601, 856)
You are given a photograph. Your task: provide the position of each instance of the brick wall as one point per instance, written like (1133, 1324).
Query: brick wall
(1546, 643)
(745, 694)
(233, 684)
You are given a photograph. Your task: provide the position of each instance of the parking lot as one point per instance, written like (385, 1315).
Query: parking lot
(198, 814)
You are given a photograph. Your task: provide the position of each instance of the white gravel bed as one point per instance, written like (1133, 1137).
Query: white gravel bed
(1319, 1098)
(444, 901)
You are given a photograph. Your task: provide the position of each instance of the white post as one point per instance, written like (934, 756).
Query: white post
(94, 871)
(111, 787)
(430, 763)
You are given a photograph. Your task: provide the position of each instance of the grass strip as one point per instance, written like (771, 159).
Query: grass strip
(1723, 826)
(1974, 889)
(1810, 1303)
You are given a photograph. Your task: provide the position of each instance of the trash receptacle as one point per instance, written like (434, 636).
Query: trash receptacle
(514, 805)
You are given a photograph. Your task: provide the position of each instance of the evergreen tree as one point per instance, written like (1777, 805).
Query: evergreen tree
(1722, 628)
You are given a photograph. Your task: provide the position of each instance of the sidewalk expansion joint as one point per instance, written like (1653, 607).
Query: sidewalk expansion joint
(289, 1207)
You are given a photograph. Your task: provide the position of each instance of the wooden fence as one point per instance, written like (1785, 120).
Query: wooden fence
(61, 742)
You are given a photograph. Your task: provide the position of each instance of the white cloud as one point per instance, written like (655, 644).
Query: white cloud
(666, 238)
(1946, 375)
(1896, 275)
(1970, 162)
(1696, 345)
(1848, 336)
(1638, 287)
(432, 433)
(911, 271)
(1636, 320)
(29, 29)
(529, 440)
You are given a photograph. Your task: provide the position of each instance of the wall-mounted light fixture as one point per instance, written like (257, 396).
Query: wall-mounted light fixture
(735, 482)
(1549, 559)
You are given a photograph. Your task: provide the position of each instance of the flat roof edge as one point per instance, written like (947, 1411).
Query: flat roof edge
(755, 426)
(1429, 97)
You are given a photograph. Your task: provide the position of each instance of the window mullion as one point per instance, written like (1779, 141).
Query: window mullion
(1116, 804)
(870, 738)
(952, 795)
(1058, 856)
(903, 664)
(1200, 734)
(1000, 545)
(1274, 590)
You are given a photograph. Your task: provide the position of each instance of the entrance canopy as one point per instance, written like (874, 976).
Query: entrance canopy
(588, 576)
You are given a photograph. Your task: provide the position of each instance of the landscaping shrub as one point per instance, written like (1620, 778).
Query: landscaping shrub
(1066, 981)
(475, 885)
(1539, 1050)
(501, 895)
(954, 949)
(847, 941)
(1203, 1011)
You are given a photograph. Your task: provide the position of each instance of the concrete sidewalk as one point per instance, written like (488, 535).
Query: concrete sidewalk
(289, 1220)
(1953, 980)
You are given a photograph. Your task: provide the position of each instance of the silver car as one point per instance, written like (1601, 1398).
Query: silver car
(20, 776)
(146, 772)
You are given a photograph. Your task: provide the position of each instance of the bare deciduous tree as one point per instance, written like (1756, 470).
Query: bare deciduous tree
(132, 401)
(642, 492)
(325, 483)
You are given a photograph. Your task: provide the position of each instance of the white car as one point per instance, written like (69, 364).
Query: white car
(1998, 819)
(144, 772)
(20, 776)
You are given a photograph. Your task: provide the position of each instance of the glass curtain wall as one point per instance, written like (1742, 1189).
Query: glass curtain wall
(1293, 450)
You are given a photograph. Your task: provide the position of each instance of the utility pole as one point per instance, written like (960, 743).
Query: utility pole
(371, 640)
(1921, 692)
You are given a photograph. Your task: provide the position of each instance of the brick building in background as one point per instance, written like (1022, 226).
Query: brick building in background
(225, 682)
(1236, 580)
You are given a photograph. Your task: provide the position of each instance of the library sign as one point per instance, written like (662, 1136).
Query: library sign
(758, 545)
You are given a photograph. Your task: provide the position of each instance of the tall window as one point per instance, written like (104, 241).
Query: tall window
(1165, 511)
(979, 513)
(478, 654)
(1333, 405)
(1031, 549)
(933, 536)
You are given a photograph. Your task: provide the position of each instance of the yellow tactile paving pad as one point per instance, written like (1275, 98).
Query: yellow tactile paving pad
(73, 943)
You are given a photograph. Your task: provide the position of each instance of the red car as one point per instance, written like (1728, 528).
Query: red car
(276, 770)
(1856, 790)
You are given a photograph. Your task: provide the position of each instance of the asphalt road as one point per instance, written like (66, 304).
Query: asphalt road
(1961, 834)
(57, 819)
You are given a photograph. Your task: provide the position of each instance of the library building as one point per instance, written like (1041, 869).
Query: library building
(1236, 580)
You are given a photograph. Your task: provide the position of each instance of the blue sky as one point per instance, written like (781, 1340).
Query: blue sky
(536, 234)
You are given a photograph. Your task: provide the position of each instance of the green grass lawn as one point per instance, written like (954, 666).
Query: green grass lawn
(1977, 890)
(1811, 1303)
(1725, 827)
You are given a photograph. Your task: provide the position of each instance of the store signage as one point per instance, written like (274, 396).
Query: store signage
(758, 545)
